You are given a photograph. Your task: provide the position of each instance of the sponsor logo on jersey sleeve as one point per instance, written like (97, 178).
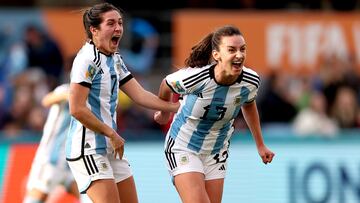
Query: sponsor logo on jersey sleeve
(177, 86)
(90, 72)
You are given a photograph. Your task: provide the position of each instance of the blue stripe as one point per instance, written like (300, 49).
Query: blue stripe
(180, 119)
(114, 96)
(60, 138)
(94, 101)
(70, 135)
(198, 136)
(220, 139)
(244, 95)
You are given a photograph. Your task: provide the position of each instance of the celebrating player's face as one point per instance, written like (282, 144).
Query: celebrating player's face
(108, 36)
(232, 54)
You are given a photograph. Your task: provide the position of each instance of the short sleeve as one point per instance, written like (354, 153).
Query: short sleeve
(83, 70)
(252, 78)
(122, 69)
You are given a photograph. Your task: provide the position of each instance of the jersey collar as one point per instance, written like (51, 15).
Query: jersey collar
(212, 75)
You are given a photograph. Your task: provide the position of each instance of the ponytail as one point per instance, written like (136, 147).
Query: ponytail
(200, 54)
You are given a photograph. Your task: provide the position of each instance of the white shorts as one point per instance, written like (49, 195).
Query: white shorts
(45, 177)
(179, 161)
(98, 166)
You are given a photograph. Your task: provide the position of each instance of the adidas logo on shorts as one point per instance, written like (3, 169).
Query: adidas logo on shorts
(222, 168)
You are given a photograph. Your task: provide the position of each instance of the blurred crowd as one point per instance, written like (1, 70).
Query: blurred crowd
(29, 69)
(318, 104)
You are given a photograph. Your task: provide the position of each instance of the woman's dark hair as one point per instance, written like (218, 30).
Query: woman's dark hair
(93, 16)
(200, 54)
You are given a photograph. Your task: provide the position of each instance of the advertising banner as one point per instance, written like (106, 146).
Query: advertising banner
(294, 42)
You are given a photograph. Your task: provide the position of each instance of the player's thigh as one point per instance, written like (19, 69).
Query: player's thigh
(191, 187)
(103, 191)
(123, 179)
(90, 168)
(214, 189)
(127, 190)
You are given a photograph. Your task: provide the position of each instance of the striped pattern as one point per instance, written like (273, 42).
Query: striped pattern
(97, 57)
(90, 164)
(204, 122)
(170, 155)
(195, 79)
(251, 78)
(104, 77)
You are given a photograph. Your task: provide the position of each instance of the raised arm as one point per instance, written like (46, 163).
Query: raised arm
(251, 116)
(53, 98)
(147, 99)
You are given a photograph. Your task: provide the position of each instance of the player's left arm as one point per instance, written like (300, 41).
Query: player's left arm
(166, 94)
(145, 98)
(251, 116)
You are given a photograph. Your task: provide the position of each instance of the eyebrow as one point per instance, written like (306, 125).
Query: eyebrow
(229, 46)
(112, 19)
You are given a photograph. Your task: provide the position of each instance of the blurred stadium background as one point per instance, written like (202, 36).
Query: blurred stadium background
(307, 53)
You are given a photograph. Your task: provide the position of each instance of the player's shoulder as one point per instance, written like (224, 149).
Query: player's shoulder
(250, 71)
(87, 49)
(190, 72)
(250, 76)
(89, 53)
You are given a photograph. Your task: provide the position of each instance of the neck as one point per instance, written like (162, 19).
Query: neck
(97, 45)
(222, 77)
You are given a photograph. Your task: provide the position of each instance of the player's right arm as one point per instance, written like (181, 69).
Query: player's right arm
(79, 110)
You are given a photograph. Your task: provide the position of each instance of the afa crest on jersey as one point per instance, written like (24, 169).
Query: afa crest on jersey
(237, 100)
(90, 72)
(118, 67)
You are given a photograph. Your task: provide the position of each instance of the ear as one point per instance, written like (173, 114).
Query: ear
(215, 55)
(92, 30)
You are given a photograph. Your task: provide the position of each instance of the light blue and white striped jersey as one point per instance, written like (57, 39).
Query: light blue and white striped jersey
(204, 121)
(52, 145)
(102, 74)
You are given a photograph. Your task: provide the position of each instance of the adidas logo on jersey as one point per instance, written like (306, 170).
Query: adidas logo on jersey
(101, 71)
(222, 168)
(87, 145)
